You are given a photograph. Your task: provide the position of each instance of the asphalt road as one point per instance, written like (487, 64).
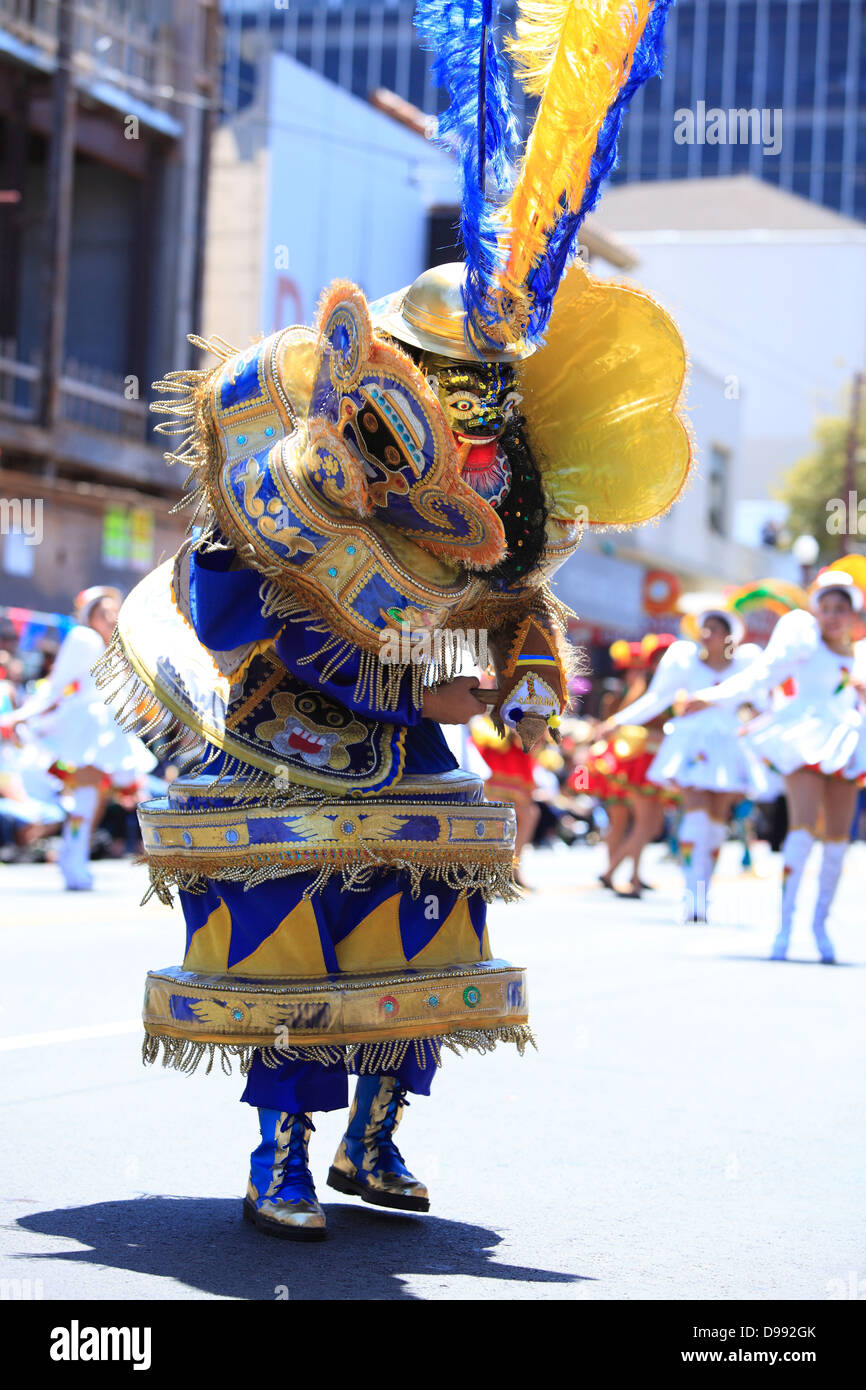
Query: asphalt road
(691, 1126)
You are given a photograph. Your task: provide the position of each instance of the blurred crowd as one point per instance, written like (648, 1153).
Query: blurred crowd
(589, 787)
(40, 783)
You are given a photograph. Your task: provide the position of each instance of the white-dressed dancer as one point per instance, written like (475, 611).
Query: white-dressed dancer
(72, 722)
(816, 738)
(702, 756)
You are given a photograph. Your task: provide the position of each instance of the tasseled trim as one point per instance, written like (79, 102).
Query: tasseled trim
(241, 783)
(138, 711)
(492, 880)
(380, 683)
(135, 707)
(182, 1054)
(191, 427)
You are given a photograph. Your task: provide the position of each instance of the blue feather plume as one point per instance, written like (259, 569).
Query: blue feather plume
(453, 30)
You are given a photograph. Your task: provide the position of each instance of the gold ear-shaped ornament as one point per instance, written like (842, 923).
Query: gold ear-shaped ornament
(604, 404)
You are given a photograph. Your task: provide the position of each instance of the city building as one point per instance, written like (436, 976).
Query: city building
(310, 184)
(775, 88)
(769, 290)
(105, 113)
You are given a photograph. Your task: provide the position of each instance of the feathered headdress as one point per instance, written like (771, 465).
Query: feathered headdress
(584, 60)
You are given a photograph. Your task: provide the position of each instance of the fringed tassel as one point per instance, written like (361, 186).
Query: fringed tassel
(492, 881)
(188, 424)
(135, 707)
(281, 603)
(185, 1054)
(380, 683)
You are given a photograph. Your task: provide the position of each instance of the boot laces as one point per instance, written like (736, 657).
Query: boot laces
(294, 1164)
(386, 1132)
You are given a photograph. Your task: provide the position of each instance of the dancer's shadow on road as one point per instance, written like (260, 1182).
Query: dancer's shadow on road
(794, 960)
(204, 1244)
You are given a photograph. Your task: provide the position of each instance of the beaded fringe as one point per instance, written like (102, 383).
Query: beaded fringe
(378, 682)
(184, 1054)
(135, 707)
(188, 425)
(138, 711)
(492, 881)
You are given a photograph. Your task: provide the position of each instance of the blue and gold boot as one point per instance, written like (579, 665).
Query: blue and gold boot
(281, 1198)
(368, 1163)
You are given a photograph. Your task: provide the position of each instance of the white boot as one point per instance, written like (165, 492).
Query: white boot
(828, 880)
(795, 852)
(74, 858)
(717, 833)
(717, 837)
(693, 840)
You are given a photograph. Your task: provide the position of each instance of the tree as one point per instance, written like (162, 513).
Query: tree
(816, 491)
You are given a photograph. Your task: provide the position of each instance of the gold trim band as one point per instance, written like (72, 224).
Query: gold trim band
(379, 833)
(336, 1010)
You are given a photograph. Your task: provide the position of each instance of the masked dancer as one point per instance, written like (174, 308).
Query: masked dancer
(366, 490)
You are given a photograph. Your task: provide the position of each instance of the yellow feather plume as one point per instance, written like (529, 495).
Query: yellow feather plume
(577, 55)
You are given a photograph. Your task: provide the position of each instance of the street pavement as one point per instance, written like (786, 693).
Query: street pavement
(691, 1126)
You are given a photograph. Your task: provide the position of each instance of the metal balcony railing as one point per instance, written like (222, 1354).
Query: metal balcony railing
(90, 396)
(130, 45)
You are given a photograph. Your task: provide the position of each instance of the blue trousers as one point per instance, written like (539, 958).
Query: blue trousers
(300, 1087)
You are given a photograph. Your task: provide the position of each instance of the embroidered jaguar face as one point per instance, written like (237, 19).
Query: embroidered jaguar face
(311, 728)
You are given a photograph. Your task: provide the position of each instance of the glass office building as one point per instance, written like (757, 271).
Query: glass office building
(805, 59)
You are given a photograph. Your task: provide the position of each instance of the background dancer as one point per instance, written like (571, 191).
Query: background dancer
(80, 739)
(601, 758)
(816, 738)
(510, 777)
(706, 762)
(619, 766)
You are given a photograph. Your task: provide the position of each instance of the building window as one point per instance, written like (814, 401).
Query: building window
(717, 482)
(127, 539)
(19, 554)
(115, 538)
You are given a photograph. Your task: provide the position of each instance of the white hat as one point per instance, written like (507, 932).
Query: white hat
(735, 623)
(87, 600)
(829, 580)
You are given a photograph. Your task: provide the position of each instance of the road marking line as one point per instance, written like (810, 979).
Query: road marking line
(64, 1035)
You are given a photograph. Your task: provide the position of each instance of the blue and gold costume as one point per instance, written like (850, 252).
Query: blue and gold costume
(373, 497)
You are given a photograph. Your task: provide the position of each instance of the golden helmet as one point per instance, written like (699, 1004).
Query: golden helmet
(429, 314)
